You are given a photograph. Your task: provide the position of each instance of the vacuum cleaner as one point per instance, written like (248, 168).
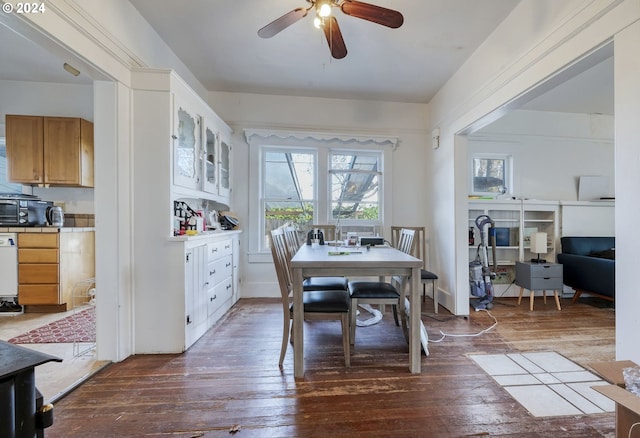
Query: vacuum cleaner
(480, 274)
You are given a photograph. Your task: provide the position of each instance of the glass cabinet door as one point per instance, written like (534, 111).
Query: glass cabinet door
(187, 143)
(225, 152)
(210, 161)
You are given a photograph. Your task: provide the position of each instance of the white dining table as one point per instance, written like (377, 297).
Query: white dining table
(318, 261)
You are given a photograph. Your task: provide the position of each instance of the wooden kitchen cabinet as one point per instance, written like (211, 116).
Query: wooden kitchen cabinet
(49, 150)
(49, 265)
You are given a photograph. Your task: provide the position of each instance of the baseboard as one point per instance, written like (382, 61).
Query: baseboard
(45, 308)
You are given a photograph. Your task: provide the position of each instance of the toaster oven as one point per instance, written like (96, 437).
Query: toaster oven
(23, 211)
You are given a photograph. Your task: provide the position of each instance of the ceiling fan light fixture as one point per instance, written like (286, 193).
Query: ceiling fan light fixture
(324, 9)
(325, 20)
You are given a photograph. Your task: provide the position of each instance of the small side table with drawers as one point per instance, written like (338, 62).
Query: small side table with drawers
(539, 276)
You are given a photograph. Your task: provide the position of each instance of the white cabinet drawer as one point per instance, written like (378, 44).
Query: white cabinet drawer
(220, 249)
(219, 294)
(220, 269)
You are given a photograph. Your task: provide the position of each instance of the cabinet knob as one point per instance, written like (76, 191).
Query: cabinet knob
(212, 272)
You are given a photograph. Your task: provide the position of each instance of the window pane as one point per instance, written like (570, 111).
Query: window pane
(288, 176)
(278, 213)
(6, 186)
(289, 190)
(355, 184)
(355, 196)
(489, 174)
(357, 162)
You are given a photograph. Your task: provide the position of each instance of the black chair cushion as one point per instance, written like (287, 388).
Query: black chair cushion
(372, 289)
(426, 275)
(325, 301)
(324, 283)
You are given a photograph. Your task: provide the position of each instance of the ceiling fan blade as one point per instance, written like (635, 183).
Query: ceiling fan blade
(334, 38)
(373, 13)
(282, 23)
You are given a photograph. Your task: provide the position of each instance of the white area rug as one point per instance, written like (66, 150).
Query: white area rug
(547, 384)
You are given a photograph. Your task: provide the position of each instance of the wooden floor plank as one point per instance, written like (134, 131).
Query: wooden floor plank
(231, 377)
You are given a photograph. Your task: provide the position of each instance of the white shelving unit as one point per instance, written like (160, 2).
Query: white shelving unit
(515, 221)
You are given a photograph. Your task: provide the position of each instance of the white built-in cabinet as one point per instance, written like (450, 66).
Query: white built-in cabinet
(187, 144)
(515, 221)
(197, 139)
(216, 159)
(201, 151)
(188, 298)
(181, 149)
(209, 283)
(195, 307)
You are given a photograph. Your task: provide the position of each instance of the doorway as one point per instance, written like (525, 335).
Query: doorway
(569, 117)
(34, 81)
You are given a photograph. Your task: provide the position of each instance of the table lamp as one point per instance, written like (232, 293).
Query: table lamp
(539, 246)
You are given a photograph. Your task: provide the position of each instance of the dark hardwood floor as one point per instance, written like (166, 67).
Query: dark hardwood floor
(231, 377)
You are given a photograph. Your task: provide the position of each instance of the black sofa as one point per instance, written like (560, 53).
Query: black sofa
(588, 265)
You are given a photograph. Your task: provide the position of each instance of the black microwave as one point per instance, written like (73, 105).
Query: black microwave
(23, 211)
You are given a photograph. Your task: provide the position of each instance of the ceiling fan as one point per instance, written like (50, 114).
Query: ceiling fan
(329, 24)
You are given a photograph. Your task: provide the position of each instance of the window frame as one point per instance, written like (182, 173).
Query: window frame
(5, 185)
(323, 143)
(379, 155)
(263, 200)
(508, 170)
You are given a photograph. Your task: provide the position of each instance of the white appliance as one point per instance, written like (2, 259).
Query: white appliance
(8, 266)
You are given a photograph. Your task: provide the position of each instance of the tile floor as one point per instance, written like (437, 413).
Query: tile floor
(547, 384)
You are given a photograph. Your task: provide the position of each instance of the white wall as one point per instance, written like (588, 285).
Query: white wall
(550, 151)
(45, 99)
(405, 121)
(627, 109)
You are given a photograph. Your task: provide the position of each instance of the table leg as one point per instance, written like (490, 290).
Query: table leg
(544, 297)
(416, 310)
(381, 307)
(520, 296)
(555, 294)
(531, 301)
(298, 318)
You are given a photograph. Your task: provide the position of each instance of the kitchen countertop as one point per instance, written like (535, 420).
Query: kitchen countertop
(204, 235)
(45, 229)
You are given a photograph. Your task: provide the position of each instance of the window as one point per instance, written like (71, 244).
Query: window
(304, 177)
(490, 174)
(288, 188)
(291, 178)
(355, 184)
(6, 186)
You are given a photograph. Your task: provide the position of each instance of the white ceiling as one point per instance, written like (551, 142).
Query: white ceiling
(218, 42)
(24, 60)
